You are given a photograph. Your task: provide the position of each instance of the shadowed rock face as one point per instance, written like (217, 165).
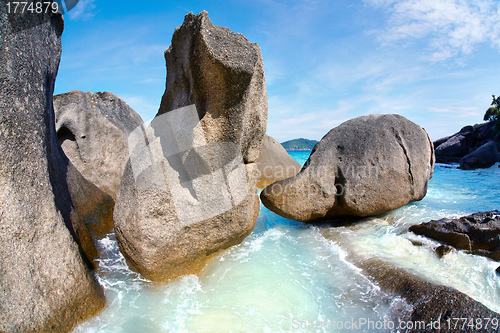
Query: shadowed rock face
(274, 163)
(93, 130)
(45, 219)
(478, 233)
(483, 157)
(194, 191)
(473, 147)
(366, 166)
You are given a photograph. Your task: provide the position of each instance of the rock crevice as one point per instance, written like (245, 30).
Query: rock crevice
(48, 211)
(408, 160)
(366, 166)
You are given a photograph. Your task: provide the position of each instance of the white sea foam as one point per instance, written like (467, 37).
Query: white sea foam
(287, 270)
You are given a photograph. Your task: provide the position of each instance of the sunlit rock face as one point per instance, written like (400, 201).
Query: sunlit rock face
(189, 189)
(274, 163)
(366, 166)
(93, 130)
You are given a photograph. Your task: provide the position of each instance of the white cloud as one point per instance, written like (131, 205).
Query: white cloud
(449, 27)
(148, 81)
(84, 10)
(147, 109)
(459, 112)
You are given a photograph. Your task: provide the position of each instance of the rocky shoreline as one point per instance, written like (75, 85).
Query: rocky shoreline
(76, 166)
(473, 147)
(435, 305)
(477, 233)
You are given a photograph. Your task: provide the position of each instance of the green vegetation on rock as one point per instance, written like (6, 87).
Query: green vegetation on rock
(493, 113)
(299, 144)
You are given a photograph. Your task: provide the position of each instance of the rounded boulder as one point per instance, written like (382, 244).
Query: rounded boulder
(364, 167)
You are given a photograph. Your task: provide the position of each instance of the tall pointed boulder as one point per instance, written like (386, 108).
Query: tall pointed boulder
(189, 189)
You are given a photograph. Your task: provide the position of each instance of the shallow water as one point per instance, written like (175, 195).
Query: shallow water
(286, 273)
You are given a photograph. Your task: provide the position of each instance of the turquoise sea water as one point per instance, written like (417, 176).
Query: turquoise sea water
(286, 273)
(300, 156)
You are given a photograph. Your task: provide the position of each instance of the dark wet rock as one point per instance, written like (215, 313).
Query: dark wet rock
(45, 217)
(219, 71)
(430, 302)
(443, 250)
(189, 190)
(364, 167)
(478, 233)
(274, 163)
(470, 138)
(483, 157)
(416, 243)
(93, 131)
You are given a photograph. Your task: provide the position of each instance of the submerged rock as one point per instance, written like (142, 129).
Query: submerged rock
(93, 130)
(478, 233)
(189, 189)
(443, 250)
(366, 166)
(46, 285)
(433, 304)
(274, 163)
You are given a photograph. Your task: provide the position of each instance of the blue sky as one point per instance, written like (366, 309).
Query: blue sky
(436, 62)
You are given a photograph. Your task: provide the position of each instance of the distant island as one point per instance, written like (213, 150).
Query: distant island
(299, 144)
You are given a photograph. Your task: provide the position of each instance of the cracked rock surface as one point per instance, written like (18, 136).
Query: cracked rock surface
(364, 167)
